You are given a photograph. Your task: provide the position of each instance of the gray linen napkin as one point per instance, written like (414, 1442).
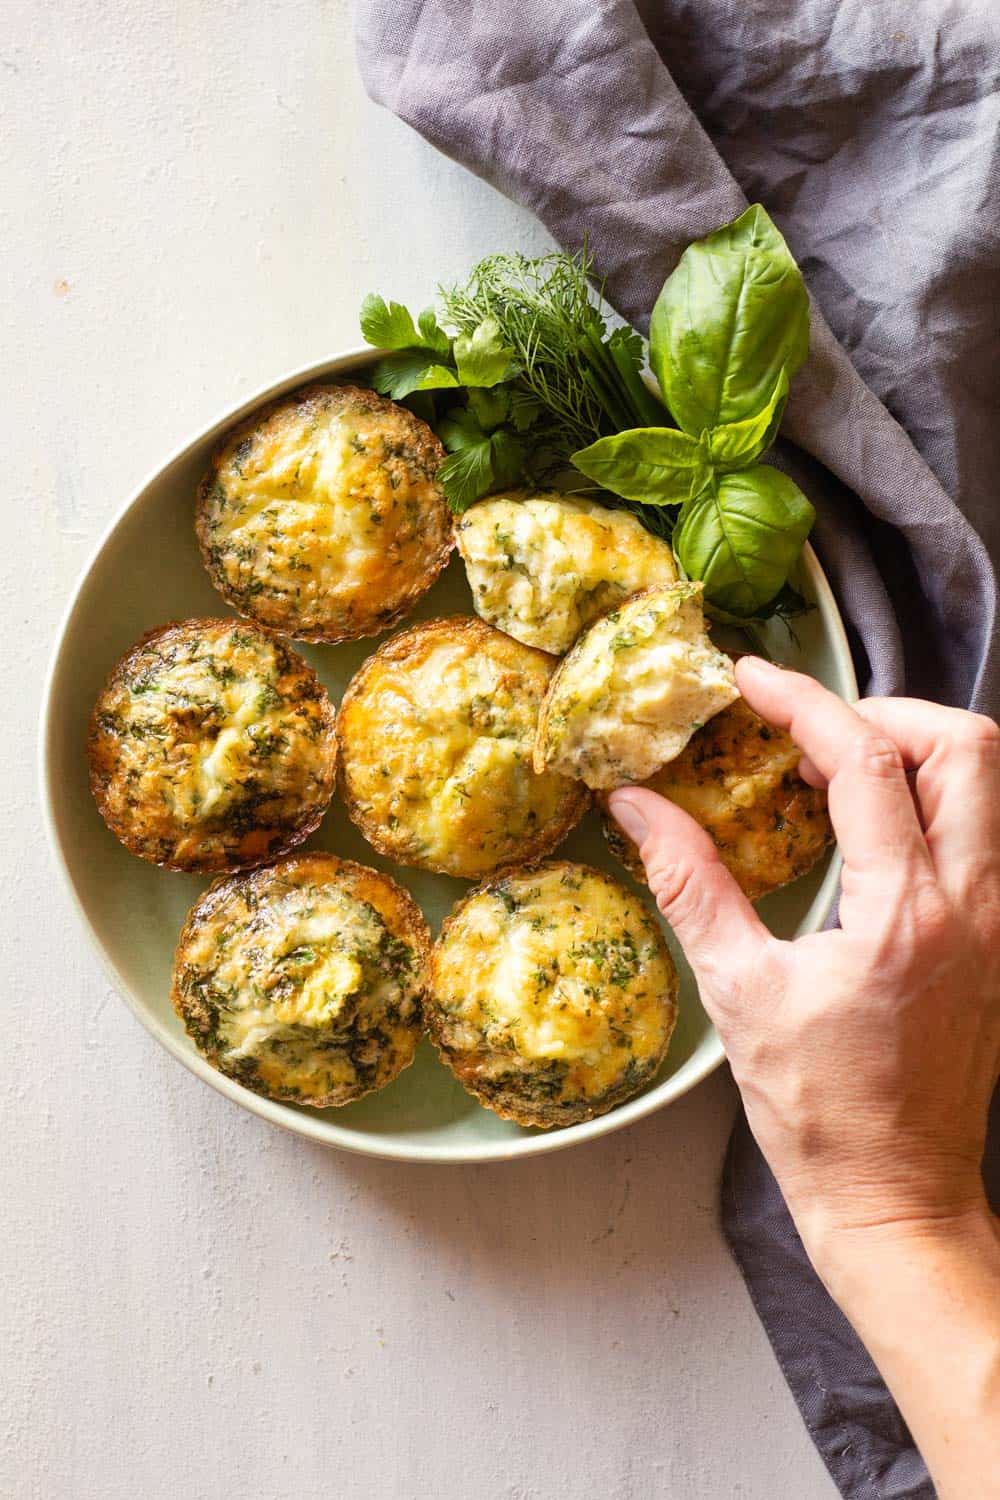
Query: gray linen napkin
(870, 129)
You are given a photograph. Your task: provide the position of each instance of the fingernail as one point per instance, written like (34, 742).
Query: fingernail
(758, 664)
(629, 818)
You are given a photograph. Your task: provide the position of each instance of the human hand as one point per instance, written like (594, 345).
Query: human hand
(866, 1057)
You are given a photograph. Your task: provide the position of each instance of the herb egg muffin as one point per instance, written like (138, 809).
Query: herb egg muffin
(212, 747)
(634, 689)
(543, 566)
(436, 732)
(552, 994)
(738, 777)
(321, 517)
(303, 980)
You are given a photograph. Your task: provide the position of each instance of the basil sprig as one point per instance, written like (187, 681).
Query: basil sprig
(730, 317)
(729, 330)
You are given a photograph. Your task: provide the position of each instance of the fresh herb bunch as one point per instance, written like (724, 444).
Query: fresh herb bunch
(729, 329)
(527, 373)
(525, 381)
(586, 381)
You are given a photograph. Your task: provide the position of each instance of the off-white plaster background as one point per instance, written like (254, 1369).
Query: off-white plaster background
(192, 198)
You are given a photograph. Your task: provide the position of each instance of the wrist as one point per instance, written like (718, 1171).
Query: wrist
(846, 1254)
(909, 1282)
(923, 1294)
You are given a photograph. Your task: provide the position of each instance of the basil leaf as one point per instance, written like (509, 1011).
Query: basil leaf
(742, 536)
(482, 357)
(735, 445)
(732, 313)
(787, 605)
(657, 465)
(397, 375)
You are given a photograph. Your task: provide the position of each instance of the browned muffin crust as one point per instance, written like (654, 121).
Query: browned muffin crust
(605, 981)
(303, 980)
(436, 732)
(321, 517)
(212, 746)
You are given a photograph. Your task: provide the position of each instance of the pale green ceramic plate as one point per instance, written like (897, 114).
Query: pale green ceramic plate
(147, 570)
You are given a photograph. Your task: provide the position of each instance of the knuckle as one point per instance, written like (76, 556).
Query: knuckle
(876, 756)
(672, 883)
(679, 889)
(977, 732)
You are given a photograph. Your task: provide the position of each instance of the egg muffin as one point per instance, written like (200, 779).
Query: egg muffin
(321, 517)
(738, 777)
(303, 980)
(552, 994)
(436, 731)
(212, 747)
(634, 689)
(544, 566)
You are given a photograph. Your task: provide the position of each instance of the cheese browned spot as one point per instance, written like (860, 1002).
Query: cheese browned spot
(322, 518)
(212, 747)
(552, 994)
(303, 981)
(634, 689)
(542, 567)
(436, 732)
(738, 777)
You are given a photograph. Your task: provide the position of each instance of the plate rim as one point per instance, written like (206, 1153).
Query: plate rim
(317, 1128)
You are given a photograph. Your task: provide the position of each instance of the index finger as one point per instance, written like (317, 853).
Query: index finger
(922, 729)
(871, 807)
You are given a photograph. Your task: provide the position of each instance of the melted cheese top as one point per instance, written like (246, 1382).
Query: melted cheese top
(635, 689)
(436, 744)
(327, 515)
(558, 966)
(542, 567)
(303, 990)
(212, 733)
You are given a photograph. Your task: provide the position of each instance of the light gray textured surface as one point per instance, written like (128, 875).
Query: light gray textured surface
(194, 1305)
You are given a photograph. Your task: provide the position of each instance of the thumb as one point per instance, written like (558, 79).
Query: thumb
(715, 924)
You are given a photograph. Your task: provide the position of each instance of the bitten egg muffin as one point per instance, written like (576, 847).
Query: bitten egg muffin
(212, 747)
(436, 731)
(542, 567)
(321, 518)
(738, 777)
(303, 980)
(634, 689)
(552, 994)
